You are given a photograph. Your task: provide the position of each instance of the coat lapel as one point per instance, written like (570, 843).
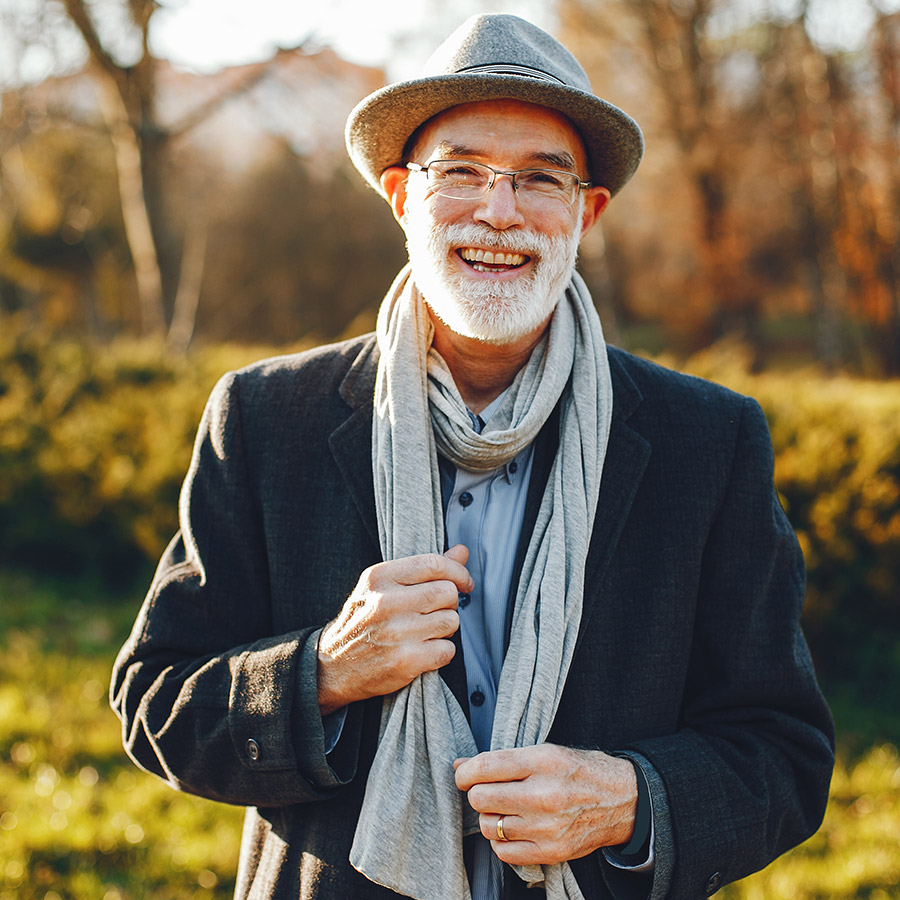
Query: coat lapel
(627, 456)
(351, 440)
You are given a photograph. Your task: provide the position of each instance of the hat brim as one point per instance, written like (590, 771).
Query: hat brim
(380, 126)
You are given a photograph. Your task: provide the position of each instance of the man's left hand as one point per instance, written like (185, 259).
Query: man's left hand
(557, 803)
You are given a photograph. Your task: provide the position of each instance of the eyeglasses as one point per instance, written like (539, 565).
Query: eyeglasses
(463, 180)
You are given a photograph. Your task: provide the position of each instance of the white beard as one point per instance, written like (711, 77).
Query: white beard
(496, 312)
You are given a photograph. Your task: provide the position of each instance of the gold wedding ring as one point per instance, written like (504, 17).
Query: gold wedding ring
(500, 835)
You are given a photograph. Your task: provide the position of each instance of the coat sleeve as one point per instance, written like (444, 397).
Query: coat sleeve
(746, 775)
(209, 700)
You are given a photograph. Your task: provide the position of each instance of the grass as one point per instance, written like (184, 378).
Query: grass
(79, 822)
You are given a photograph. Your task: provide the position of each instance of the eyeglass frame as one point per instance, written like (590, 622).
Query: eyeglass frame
(580, 185)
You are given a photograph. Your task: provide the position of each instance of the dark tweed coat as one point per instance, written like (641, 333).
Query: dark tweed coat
(690, 656)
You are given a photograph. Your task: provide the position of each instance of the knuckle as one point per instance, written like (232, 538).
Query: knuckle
(545, 798)
(370, 577)
(474, 796)
(450, 622)
(432, 563)
(398, 668)
(553, 855)
(443, 652)
(437, 592)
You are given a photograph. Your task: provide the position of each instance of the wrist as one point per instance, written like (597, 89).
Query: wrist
(625, 790)
(330, 690)
(631, 802)
(637, 844)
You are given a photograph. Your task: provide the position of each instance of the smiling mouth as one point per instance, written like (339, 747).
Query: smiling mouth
(491, 261)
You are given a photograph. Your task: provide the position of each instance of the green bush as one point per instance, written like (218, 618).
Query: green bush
(94, 444)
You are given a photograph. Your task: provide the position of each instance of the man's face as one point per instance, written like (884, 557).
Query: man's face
(494, 268)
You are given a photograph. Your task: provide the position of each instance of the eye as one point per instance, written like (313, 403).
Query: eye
(459, 171)
(543, 179)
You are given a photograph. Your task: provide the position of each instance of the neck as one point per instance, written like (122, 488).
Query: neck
(483, 371)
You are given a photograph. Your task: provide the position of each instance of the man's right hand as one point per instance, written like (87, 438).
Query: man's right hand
(394, 626)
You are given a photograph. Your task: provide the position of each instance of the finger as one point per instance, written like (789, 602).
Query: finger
(458, 762)
(440, 624)
(512, 827)
(408, 619)
(525, 853)
(430, 567)
(496, 766)
(514, 797)
(458, 553)
(431, 596)
(411, 606)
(433, 655)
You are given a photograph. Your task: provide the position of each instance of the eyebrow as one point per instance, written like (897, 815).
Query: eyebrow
(559, 160)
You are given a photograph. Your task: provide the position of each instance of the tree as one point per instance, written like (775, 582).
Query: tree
(777, 151)
(167, 266)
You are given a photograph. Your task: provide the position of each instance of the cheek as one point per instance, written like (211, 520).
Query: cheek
(557, 224)
(425, 212)
(566, 222)
(442, 211)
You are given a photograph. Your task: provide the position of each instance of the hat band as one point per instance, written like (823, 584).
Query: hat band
(508, 69)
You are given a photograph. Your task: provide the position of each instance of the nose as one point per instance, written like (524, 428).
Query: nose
(499, 207)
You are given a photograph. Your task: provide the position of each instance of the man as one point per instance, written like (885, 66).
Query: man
(484, 605)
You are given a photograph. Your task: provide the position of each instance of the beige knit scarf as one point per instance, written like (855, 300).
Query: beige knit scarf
(409, 834)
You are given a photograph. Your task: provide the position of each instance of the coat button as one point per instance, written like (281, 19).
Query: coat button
(464, 600)
(465, 498)
(252, 749)
(714, 883)
(476, 698)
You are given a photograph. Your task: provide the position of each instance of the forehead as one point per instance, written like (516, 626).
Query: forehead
(506, 132)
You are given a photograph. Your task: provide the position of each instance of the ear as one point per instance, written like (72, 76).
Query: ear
(596, 199)
(393, 183)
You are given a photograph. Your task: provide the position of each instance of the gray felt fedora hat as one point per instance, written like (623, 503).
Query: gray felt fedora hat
(491, 57)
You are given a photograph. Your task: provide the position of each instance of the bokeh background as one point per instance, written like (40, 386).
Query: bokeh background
(175, 201)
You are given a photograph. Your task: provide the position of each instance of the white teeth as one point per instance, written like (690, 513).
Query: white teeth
(472, 255)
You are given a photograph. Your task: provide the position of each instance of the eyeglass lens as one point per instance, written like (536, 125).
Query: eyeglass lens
(465, 180)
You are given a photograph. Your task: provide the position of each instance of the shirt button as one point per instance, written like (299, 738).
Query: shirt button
(514, 467)
(465, 498)
(476, 698)
(252, 749)
(464, 600)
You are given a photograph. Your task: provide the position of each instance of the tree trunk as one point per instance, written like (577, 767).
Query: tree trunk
(138, 230)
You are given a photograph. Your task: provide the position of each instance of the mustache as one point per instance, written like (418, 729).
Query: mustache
(528, 243)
